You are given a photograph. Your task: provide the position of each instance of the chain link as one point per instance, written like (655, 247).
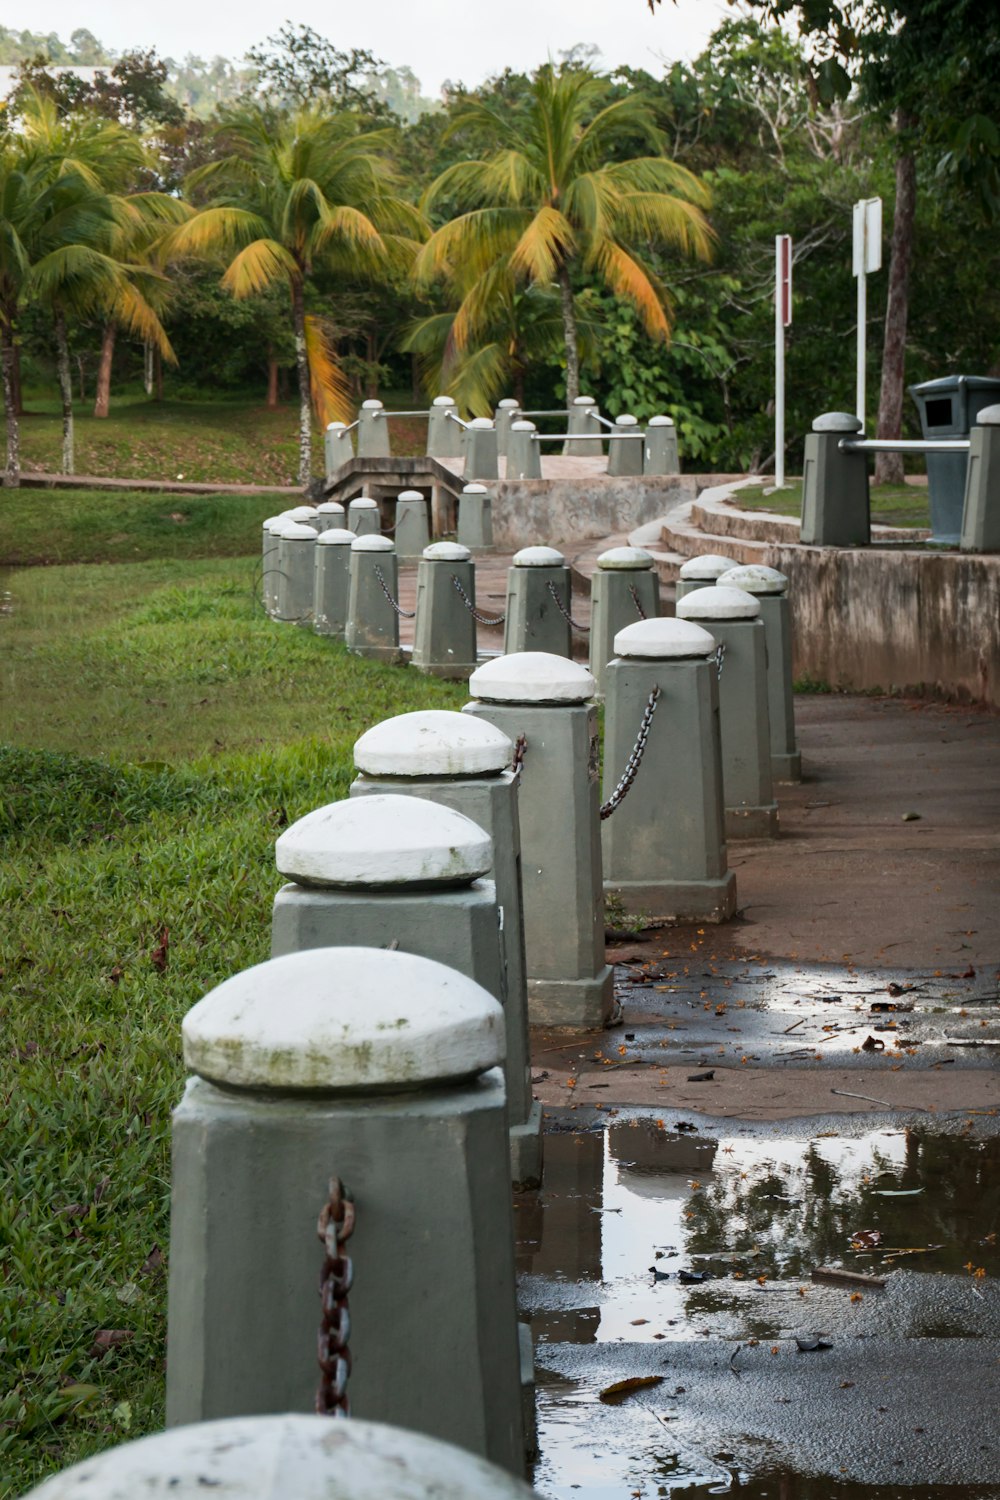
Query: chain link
(720, 656)
(520, 747)
(583, 629)
(405, 614)
(637, 602)
(634, 761)
(334, 1227)
(473, 611)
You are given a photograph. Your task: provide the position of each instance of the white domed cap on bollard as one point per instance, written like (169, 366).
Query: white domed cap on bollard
(837, 421)
(363, 502)
(336, 536)
(297, 530)
(663, 639)
(292, 1457)
(343, 1018)
(443, 401)
(372, 405)
(301, 513)
(708, 565)
(532, 677)
(625, 559)
(372, 541)
(383, 841)
(446, 552)
(538, 557)
(474, 489)
(433, 742)
(330, 508)
(756, 578)
(661, 421)
(989, 416)
(718, 604)
(626, 420)
(408, 495)
(481, 424)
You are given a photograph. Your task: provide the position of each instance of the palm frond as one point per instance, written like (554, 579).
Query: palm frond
(328, 386)
(628, 279)
(544, 246)
(256, 267)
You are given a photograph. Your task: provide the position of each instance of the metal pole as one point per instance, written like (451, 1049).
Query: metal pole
(779, 364)
(862, 331)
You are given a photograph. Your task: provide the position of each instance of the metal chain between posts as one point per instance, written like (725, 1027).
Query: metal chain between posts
(634, 761)
(473, 611)
(405, 614)
(583, 629)
(520, 747)
(637, 602)
(720, 656)
(334, 1227)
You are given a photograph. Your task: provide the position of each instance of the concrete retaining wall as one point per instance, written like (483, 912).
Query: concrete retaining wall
(542, 510)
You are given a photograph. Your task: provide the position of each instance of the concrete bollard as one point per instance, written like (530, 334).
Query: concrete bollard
(481, 449)
(475, 518)
(580, 419)
(770, 589)
(462, 762)
(269, 560)
(535, 621)
(332, 581)
(835, 500)
(337, 448)
(660, 455)
(549, 700)
(412, 525)
(379, 1067)
(306, 515)
(981, 511)
(364, 517)
(523, 453)
(296, 572)
(665, 844)
(330, 514)
(373, 431)
(733, 617)
(444, 642)
(625, 458)
(284, 1458)
(624, 588)
(444, 437)
(506, 411)
(702, 572)
(372, 620)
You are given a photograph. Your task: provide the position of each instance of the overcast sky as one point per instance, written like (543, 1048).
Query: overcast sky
(458, 39)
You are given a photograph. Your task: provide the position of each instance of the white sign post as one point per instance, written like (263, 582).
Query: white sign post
(867, 258)
(782, 319)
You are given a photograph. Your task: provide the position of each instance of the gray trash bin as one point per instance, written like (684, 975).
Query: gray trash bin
(949, 408)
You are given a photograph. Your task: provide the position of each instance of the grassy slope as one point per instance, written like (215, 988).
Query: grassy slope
(891, 505)
(242, 726)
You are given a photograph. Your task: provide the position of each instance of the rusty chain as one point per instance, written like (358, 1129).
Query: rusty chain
(334, 1227)
(473, 611)
(583, 629)
(634, 761)
(719, 658)
(405, 614)
(637, 602)
(520, 746)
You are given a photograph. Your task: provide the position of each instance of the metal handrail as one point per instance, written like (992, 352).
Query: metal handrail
(452, 418)
(384, 413)
(561, 411)
(596, 416)
(345, 430)
(904, 445)
(588, 437)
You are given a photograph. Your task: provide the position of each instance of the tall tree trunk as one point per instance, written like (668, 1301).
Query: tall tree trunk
(65, 390)
(18, 385)
(302, 365)
(889, 466)
(570, 337)
(147, 367)
(102, 400)
(157, 375)
(12, 471)
(272, 381)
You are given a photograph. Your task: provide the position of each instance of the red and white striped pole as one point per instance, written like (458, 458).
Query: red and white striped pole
(782, 319)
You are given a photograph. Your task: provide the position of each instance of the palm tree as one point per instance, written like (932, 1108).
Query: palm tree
(550, 201)
(296, 194)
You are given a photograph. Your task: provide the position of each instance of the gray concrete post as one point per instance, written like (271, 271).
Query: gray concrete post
(702, 572)
(475, 518)
(523, 453)
(549, 700)
(364, 517)
(444, 642)
(835, 502)
(296, 572)
(337, 447)
(269, 560)
(373, 431)
(981, 511)
(330, 514)
(660, 455)
(534, 620)
(770, 588)
(444, 437)
(461, 761)
(625, 458)
(624, 588)
(580, 419)
(379, 1067)
(332, 583)
(288, 1457)
(413, 531)
(733, 617)
(372, 623)
(481, 449)
(665, 844)
(505, 413)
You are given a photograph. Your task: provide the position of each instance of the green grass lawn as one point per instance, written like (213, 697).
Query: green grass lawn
(159, 734)
(891, 504)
